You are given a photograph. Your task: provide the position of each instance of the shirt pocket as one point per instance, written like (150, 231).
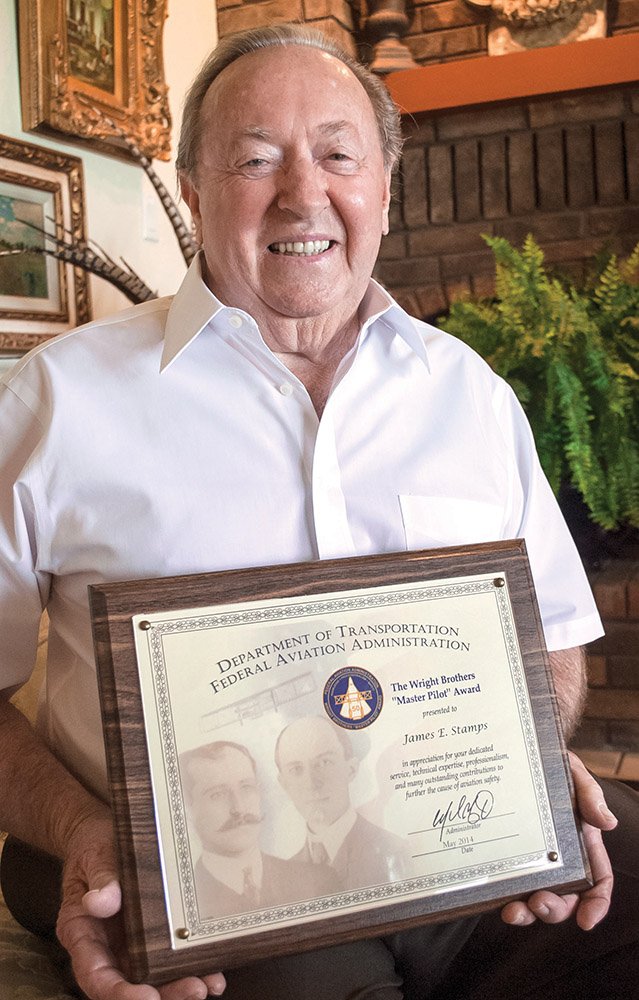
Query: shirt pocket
(441, 521)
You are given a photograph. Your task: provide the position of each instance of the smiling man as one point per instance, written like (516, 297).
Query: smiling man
(280, 407)
(290, 203)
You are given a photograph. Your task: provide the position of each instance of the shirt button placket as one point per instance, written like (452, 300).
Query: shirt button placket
(332, 531)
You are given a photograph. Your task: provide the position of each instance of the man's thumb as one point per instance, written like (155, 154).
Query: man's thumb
(104, 897)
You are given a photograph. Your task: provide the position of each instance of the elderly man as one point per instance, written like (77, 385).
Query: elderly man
(232, 874)
(316, 766)
(281, 407)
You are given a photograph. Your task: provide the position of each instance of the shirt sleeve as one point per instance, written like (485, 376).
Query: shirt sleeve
(568, 610)
(23, 590)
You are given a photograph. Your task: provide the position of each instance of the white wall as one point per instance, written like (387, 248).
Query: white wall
(115, 190)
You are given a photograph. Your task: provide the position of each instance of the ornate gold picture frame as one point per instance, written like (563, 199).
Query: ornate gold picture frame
(85, 61)
(41, 192)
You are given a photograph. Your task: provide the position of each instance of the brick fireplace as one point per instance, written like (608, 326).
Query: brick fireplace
(559, 162)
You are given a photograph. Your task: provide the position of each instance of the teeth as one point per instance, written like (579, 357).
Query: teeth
(301, 249)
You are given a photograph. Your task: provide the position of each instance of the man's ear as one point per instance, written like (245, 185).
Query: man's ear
(192, 198)
(353, 767)
(386, 203)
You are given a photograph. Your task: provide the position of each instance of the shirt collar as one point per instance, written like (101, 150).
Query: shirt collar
(378, 304)
(333, 836)
(194, 306)
(231, 870)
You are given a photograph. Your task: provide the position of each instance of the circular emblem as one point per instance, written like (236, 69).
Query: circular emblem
(353, 697)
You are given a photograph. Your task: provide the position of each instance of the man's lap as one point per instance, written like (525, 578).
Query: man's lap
(469, 959)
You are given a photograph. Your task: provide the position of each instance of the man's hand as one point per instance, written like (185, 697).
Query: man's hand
(591, 906)
(43, 804)
(89, 925)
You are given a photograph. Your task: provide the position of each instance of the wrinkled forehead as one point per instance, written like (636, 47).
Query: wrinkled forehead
(273, 82)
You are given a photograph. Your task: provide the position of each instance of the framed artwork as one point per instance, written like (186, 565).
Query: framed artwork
(85, 61)
(302, 755)
(41, 192)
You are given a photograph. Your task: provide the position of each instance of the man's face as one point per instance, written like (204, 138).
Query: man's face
(315, 771)
(290, 160)
(225, 802)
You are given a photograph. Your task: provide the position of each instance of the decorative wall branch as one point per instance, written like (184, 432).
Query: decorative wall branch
(188, 245)
(96, 261)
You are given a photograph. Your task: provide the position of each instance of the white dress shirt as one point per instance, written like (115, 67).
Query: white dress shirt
(232, 871)
(332, 837)
(168, 439)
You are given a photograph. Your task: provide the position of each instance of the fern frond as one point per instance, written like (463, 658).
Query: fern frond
(572, 357)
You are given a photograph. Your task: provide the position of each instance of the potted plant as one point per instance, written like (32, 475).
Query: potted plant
(571, 354)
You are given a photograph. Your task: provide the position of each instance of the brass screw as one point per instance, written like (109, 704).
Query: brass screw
(553, 856)
(183, 933)
(145, 626)
(499, 582)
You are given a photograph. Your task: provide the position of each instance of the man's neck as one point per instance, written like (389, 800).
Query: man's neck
(312, 351)
(333, 836)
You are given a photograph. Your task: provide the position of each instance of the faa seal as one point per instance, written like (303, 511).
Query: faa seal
(353, 697)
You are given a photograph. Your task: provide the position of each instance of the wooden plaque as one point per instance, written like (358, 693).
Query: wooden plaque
(304, 755)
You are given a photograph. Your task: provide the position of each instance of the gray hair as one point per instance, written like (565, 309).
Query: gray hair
(243, 43)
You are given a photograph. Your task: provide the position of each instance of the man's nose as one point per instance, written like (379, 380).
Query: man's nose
(235, 802)
(317, 777)
(302, 189)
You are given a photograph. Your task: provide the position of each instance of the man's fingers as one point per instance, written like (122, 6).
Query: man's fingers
(193, 988)
(216, 984)
(517, 914)
(184, 989)
(590, 797)
(553, 909)
(97, 976)
(595, 902)
(589, 907)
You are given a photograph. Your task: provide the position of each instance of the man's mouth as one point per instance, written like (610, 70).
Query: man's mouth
(301, 249)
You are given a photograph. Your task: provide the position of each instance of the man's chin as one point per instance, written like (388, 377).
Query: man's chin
(318, 820)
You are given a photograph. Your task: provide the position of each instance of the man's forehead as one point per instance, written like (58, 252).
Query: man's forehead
(248, 72)
(268, 133)
(312, 739)
(220, 763)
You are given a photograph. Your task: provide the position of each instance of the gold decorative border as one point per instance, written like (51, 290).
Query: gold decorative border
(65, 172)
(54, 102)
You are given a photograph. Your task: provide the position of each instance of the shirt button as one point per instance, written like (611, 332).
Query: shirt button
(235, 321)
(286, 389)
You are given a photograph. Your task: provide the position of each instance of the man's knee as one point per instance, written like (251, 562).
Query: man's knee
(362, 970)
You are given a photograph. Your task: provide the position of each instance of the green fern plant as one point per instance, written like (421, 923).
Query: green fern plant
(572, 356)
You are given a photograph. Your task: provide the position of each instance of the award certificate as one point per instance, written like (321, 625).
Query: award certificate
(330, 750)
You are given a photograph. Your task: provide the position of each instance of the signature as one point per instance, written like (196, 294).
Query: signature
(467, 810)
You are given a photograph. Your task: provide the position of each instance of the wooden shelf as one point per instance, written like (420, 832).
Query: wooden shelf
(599, 62)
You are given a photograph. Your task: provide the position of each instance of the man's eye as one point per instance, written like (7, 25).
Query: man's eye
(257, 161)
